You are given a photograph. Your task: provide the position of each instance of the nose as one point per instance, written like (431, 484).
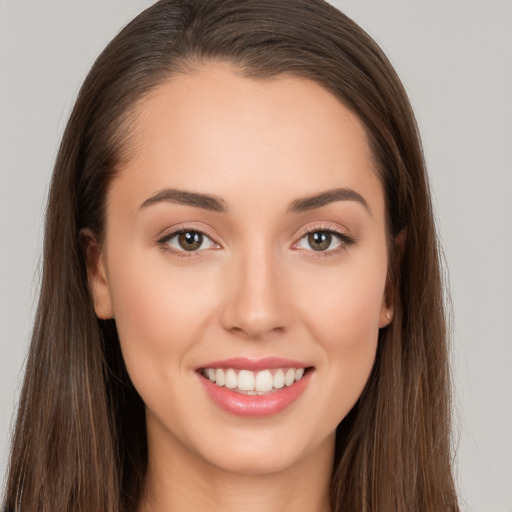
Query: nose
(257, 302)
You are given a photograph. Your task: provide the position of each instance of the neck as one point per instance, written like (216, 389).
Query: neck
(179, 482)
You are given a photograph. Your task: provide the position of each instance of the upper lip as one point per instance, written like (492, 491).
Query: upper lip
(244, 363)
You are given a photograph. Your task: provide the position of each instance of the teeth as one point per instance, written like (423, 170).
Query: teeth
(264, 381)
(231, 379)
(253, 383)
(219, 377)
(246, 380)
(279, 379)
(289, 378)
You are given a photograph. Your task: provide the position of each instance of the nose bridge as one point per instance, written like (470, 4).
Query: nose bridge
(256, 303)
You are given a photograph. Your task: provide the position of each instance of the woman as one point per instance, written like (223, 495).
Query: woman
(241, 301)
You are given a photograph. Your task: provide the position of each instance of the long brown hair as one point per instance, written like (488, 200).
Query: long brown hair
(80, 440)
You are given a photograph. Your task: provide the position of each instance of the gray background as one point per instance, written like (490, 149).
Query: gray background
(455, 59)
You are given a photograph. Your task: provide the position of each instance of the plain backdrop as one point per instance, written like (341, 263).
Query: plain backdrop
(455, 59)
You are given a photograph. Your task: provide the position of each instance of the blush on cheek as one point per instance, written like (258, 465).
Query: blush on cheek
(350, 316)
(159, 311)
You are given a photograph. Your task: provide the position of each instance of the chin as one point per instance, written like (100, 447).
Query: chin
(262, 452)
(256, 462)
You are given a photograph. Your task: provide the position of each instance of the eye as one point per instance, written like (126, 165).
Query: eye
(187, 240)
(323, 240)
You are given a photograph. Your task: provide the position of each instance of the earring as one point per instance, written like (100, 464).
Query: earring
(388, 315)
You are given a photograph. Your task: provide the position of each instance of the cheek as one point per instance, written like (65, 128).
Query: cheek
(347, 331)
(159, 312)
(345, 305)
(344, 324)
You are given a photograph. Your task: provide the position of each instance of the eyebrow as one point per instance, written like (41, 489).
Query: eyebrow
(217, 204)
(170, 195)
(330, 196)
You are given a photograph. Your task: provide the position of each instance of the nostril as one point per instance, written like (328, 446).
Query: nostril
(255, 332)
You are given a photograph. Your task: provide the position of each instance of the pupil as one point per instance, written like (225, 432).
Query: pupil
(190, 240)
(320, 240)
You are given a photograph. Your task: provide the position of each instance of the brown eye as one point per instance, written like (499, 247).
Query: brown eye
(187, 241)
(327, 241)
(320, 240)
(190, 240)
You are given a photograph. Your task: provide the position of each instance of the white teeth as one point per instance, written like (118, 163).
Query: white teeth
(219, 377)
(231, 379)
(289, 378)
(253, 383)
(279, 379)
(264, 381)
(246, 380)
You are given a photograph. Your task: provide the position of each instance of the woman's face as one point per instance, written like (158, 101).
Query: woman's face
(245, 239)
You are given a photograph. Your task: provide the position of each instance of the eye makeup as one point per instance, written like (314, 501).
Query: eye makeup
(322, 240)
(319, 240)
(187, 241)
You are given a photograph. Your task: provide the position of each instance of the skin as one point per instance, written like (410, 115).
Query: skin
(258, 290)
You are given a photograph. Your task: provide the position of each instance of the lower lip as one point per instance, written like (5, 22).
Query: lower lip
(255, 406)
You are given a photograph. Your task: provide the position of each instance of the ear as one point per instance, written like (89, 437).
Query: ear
(97, 276)
(386, 309)
(388, 300)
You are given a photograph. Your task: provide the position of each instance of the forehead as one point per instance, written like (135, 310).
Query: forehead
(215, 131)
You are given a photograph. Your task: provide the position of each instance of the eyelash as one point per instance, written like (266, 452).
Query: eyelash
(345, 241)
(164, 246)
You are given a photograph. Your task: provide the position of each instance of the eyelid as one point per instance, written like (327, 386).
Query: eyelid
(345, 238)
(170, 233)
(200, 227)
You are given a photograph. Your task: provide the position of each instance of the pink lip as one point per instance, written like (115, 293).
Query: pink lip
(255, 406)
(244, 363)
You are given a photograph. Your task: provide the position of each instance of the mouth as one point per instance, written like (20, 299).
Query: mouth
(255, 389)
(256, 383)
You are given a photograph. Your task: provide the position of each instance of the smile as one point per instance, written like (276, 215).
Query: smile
(255, 388)
(248, 382)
